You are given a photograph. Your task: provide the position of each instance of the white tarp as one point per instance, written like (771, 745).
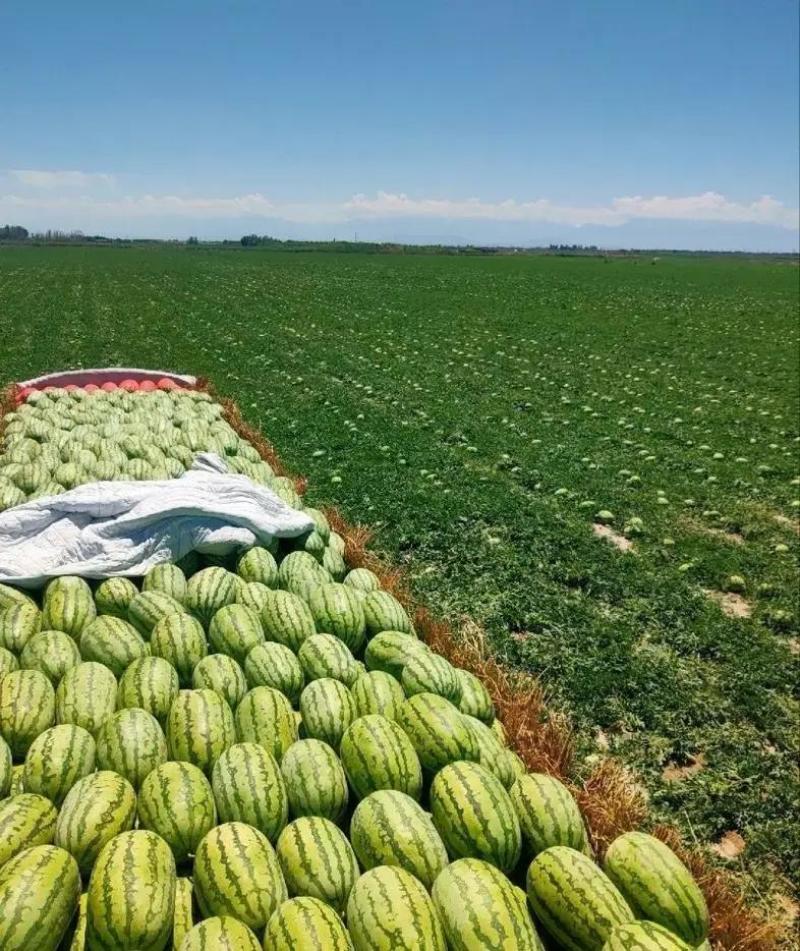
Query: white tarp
(124, 528)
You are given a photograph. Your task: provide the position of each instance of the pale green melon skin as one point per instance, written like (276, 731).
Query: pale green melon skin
(657, 885)
(646, 936)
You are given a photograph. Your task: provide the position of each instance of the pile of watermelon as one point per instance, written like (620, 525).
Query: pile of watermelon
(259, 752)
(65, 437)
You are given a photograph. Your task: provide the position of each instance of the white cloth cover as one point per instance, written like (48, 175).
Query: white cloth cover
(124, 528)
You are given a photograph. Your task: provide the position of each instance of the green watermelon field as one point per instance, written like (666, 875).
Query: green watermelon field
(596, 461)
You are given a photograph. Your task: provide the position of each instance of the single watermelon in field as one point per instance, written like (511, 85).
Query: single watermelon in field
(377, 754)
(18, 624)
(474, 815)
(327, 709)
(237, 873)
(200, 727)
(389, 909)
(306, 923)
(220, 933)
(548, 814)
(248, 787)
(209, 590)
(475, 700)
(323, 655)
(57, 759)
(377, 692)
(167, 578)
(131, 743)
(390, 651)
(27, 708)
(287, 619)
(336, 610)
(235, 630)
(26, 819)
(574, 900)
(51, 652)
(177, 802)
(114, 595)
(259, 565)
(426, 672)
(390, 828)
(317, 860)
(274, 665)
(150, 683)
(265, 716)
(68, 606)
(112, 642)
(220, 673)
(180, 640)
(39, 893)
(131, 894)
(315, 780)
(437, 731)
(86, 696)
(383, 612)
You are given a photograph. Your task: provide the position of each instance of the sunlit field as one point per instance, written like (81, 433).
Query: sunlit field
(595, 461)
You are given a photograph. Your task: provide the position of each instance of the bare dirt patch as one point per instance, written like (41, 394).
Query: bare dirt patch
(731, 604)
(672, 772)
(730, 846)
(698, 528)
(793, 524)
(619, 541)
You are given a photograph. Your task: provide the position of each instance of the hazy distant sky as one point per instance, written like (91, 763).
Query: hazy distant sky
(617, 122)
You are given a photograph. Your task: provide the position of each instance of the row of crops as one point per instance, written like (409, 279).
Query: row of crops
(260, 752)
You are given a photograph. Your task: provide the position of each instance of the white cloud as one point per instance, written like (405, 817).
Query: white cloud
(708, 206)
(39, 178)
(51, 197)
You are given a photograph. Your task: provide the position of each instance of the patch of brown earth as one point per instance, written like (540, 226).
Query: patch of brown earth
(731, 604)
(730, 846)
(699, 528)
(672, 772)
(619, 541)
(791, 523)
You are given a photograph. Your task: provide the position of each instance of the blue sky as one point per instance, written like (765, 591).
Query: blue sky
(625, 122)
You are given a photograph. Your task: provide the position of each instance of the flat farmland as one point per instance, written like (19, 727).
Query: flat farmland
(595, 461)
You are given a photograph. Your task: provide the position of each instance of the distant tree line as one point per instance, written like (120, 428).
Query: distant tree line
(13, 233)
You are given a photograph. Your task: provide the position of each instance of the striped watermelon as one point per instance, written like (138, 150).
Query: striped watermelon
(437, 731)
(223, 675)
(167, 578)
(27, 708)
(10, 596)
(208, 591)
(132, 744)
(16, 786)
(306, 923)
(266, 717)
(176, 802)
(644, 936)
(474, 815)
(57, 759)
(657, 885)
(377, 754)
(500, 731)
(336, 610)
(298, 566)
(337, 543)
(151, 684)
(426, 672)
(248, 787)
(220, 933)
(516, 765)
(287, 619)
(574, 900)
(480, 909)
(114, 595)
(377, 692)
(362, 579)
(258, 564)
(314, 544)
(183, 917)
(323, 655)
(390, 910)
(548, 814)
(97, 808)
(181, 640)
(274, 665)
(68, 606)
(321, 523)
(86, 696)
(200, 727)
(149, 607)
(390, 828)
(131, 894)
(253, 595)
(51, 652)
(493, 755)
(78, 927)
(317, 860)
(390, 651)
(113, 642)
(383, 612)
(315, 781)
(237, 873)
(8, 662)
(25, 820)
(39, 893)
(475, 700)
(327, 709)
(18, 624)
(335, 565)
(6, 768)
(235, 630)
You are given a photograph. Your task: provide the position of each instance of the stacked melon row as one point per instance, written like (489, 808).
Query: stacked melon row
(262, 754)
(63, 438)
